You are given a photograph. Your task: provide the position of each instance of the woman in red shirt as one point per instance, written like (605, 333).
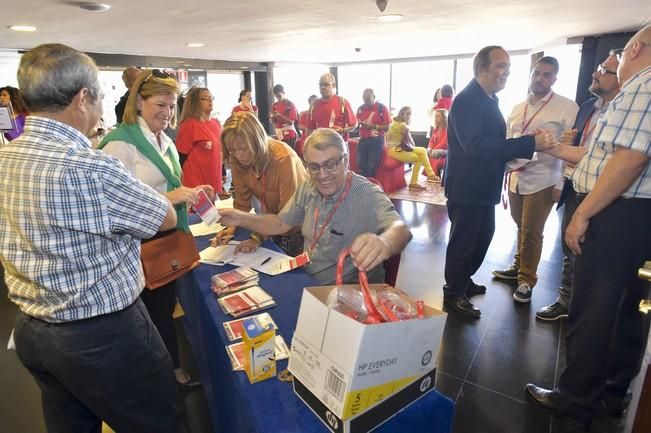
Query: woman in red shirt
(437, 148)
(245, 103)
(199, 140)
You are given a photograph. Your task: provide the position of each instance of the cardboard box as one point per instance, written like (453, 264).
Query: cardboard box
(351, 367)
(259, 346)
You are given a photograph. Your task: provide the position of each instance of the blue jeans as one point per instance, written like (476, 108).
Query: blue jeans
(369, 153)
(112, 368)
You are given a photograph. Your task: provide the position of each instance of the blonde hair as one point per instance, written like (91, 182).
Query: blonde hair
(192, 104)
(244, 127)
(444, 112)
(401, 113)
(149, 83)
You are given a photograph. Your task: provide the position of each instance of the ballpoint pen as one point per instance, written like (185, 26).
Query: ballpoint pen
(265, 261)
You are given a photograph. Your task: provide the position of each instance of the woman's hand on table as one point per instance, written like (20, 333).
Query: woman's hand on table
(223, 237)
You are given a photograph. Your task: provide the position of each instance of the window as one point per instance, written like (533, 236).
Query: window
(414, 84)
(569, 60)
(225, 87)
(300, 81)
(353, 79)
(113, 88)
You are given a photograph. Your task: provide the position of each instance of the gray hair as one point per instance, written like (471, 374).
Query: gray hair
(50, 75)
(323, 138)
(482, 59)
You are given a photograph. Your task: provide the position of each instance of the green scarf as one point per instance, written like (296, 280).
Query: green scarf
(133, 135)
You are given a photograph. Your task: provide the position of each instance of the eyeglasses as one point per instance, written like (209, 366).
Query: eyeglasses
(158, 74)
(603, 71)
(207, 98)
(329, 166)
(322, 84)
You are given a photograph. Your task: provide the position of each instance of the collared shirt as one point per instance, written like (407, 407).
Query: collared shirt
(138, 164)
(554, 113)
(626, 124)
(71, 220)
(366, 209)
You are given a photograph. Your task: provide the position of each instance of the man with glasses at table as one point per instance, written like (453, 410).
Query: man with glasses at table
(610, 235)
(336, 209)
(605, 87)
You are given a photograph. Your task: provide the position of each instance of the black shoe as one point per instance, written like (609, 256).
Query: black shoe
(190, 384)
(551, 312)
(615, 407)
(475, 289)
(507, 274)
(552, 401)
(462, 305)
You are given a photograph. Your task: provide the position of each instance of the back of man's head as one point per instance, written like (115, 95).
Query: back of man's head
(130, 75)
(50, 76)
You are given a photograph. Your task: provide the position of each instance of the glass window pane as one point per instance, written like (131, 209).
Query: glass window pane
(353, 79)
(414, 84)
(225, 87)
(299, 81)
(569, 60)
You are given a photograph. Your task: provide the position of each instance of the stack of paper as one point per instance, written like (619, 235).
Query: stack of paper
(234, 281)
(246, 301)
(236, 352)
(234, 327)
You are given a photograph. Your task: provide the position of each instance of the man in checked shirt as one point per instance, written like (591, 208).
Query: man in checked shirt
(71, 221)
(610, 235)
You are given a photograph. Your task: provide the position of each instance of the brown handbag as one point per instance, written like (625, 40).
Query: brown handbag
(167, 256)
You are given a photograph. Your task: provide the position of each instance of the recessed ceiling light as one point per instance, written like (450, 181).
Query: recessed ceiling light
(389, 18)
(244, 67)
(94, 7)
(23, 28)
(194, 44)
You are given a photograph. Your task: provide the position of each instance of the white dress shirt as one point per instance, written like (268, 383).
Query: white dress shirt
(137, 163)
(554, 113)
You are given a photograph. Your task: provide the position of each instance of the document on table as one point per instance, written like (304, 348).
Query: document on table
(202, 229)
(262, 260)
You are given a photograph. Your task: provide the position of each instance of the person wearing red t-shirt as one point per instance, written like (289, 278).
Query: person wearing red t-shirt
(198, 139)
(331, 111)
(245, 103)
(304, 116)
(374, 120)
(283, 115)
(437, 149)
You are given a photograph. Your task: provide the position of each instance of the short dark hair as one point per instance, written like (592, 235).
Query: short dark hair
(549, 60)
(278, 88)
(482, 59)
(242, 93)
(447, 91)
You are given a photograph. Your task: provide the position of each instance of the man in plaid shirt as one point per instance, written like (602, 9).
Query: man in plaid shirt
(71, 221)
(610, 233)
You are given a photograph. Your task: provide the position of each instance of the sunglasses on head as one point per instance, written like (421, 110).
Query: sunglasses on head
(158, 74)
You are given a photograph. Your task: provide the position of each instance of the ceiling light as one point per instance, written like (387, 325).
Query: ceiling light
(94, 7)
(194, 44)
(244, 67)
(389, 18)
(23, 28)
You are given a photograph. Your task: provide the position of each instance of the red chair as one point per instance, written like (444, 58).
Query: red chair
(352, 154)
(300, 142)
(390, 173)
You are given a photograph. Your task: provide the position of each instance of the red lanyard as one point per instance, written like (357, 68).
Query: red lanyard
(587, 133)
(526, 124)
(341, 199)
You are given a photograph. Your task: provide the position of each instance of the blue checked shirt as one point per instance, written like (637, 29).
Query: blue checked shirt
(71, 220)
(626, 124)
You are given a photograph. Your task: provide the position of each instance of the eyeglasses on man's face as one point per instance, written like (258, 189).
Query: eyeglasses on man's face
(603, 71)
(329, 166)
(617, 52)
(325, 84)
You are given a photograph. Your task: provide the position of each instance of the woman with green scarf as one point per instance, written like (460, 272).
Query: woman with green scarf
(141, 145)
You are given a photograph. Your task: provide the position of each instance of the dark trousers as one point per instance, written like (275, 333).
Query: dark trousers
(160, 305)
(471, 232)
(369, 153)
(565, 291)
(112, 368)
(607, 334)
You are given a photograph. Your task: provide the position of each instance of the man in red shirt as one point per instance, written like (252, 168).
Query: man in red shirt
(374, 120)
(283, 115)
(331, 111)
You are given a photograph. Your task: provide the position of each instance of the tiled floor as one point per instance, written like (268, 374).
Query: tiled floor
(484, 363)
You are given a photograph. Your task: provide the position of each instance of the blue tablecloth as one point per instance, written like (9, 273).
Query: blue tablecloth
(271, 406)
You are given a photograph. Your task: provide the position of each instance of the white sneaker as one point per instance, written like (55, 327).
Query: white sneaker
(522, 293)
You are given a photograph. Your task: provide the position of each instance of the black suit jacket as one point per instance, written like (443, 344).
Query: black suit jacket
(582, 118)
(478, 148)
(119, 108)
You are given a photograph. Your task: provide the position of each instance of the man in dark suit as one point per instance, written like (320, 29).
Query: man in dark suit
(605, 87)
(477, 154)
(129, 76)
